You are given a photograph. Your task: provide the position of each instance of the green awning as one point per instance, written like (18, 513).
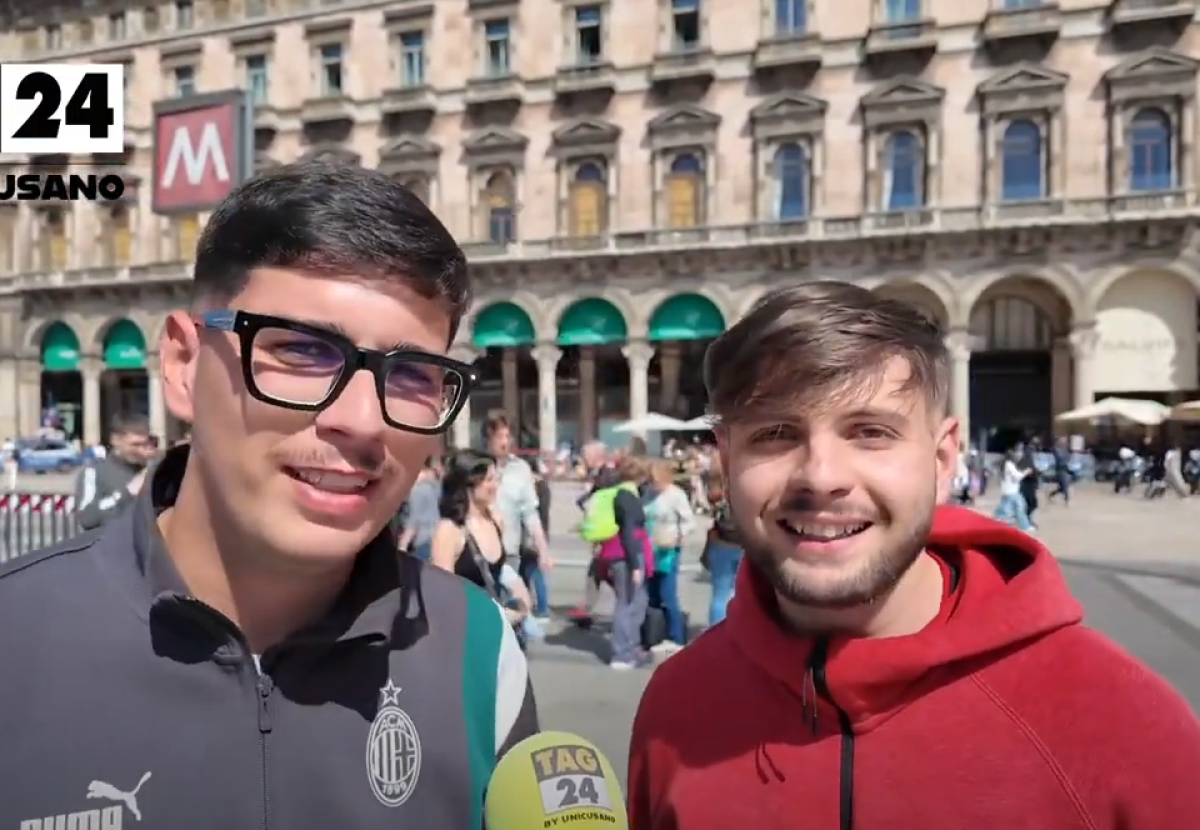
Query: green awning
(60, 349)
(592, 322)
(502, 325)
(686, 317)
(125, 346)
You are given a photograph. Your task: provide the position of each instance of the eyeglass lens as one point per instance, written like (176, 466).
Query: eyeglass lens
(298, 368)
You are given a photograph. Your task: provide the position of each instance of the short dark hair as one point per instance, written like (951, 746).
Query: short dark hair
(333, 219)
(496, 421)
(815, 342)
(129, 423)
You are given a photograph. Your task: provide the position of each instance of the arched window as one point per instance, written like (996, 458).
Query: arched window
(54, 249)
(119, 236)
(685, 192)
(499, 198)
(1022, 166)
(904, 172)
(1151, 151)
(791, 181)
(588, 200)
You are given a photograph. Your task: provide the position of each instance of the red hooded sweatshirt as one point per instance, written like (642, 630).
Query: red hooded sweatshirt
(1004, 713)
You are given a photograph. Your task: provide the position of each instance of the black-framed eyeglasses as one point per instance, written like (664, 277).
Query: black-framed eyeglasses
(300, 366)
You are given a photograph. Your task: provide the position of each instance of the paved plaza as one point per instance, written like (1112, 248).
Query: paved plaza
(1134, 564)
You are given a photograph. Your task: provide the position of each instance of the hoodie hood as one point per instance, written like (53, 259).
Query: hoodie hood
(1010, 591)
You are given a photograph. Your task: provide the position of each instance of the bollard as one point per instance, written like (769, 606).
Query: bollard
(32, 521)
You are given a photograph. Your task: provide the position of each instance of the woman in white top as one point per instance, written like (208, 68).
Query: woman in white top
(669, 520)
(1011, 508)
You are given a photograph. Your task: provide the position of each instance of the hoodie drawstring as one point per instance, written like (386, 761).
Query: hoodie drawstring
(814, 678)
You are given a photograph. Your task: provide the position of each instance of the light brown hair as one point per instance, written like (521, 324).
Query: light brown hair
(632, 468)
(814, 344)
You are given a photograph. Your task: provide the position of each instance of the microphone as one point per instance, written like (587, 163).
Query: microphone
(554, 780)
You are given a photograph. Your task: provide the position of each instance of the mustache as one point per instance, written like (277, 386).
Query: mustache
(372, 462)
(812, 503)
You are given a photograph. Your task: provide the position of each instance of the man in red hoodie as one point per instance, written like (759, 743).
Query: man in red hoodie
(886, 663)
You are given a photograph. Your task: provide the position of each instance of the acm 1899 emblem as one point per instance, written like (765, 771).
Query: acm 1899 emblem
(393, 751)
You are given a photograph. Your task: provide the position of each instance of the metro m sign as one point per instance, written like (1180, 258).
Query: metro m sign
(200, 151)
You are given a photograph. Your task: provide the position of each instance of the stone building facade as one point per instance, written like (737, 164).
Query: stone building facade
(628, 176)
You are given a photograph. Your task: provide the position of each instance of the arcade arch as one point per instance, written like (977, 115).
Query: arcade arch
(1020, 361)
(1146, 337)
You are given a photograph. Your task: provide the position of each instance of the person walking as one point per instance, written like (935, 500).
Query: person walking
(723, 551)
(1011, 508)
(107, 486)
(670, 520)
(888, 661)
(421, 513)
(626, 561)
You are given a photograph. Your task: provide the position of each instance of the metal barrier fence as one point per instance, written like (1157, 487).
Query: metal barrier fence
(31, 521)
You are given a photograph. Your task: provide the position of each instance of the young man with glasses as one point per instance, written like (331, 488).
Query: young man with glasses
(243, 646)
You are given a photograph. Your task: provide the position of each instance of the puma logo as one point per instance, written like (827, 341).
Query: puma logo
(100, 789)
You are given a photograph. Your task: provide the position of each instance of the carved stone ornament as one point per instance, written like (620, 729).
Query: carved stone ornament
(903, 100)
(683, 125)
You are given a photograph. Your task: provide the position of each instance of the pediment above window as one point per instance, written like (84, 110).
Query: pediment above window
(1153, 73)
(788, 114)
(1023, 87)
(409, 154)
(585, 136)
(332, 154)
(495, 146)
(903, 100)
(683, 125)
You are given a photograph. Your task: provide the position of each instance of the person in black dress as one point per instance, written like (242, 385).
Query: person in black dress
(467, 539)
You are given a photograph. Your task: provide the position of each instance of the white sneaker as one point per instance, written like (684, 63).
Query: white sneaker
(622, 665)
(666, 647)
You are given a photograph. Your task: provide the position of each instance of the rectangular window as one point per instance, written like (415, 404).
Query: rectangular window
(150, 20)
(257, 79)
(332, 81)
(185, 14)
(185, 81)
(589, 35)
(116, 26)
(412, 59)
(53, 37)
(683, 198)
(791, 17)
(498, 51)
(685, 25)
(902, 11)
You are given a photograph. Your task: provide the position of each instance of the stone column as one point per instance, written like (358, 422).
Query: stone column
(587, 394)
(639, 354)
(10, 397)
(511, 385)
(10, 343)
(670, 357)
(460, 431)
(547, 357)
(1084, 340)
(959, 345)
(29, 413)
(92, 370)
(154, 398)
(1062, 382)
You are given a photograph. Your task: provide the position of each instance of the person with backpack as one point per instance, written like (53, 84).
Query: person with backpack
(615, 524)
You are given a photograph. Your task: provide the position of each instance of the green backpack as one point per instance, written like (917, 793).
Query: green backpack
(600, 518)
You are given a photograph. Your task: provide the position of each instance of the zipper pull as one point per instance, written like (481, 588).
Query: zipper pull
(265, 687)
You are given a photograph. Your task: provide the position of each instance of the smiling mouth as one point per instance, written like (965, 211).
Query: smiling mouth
(817, 532)
(337, 483)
